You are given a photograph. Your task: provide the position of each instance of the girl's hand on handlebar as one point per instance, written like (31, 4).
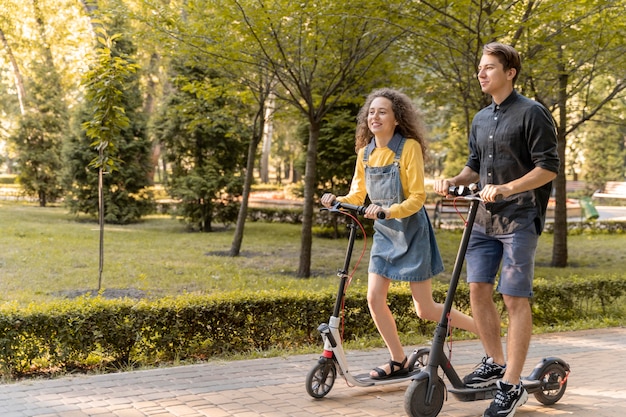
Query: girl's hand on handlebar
(328, 199)
(371, 212)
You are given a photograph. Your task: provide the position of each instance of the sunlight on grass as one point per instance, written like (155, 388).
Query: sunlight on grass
(47, 254)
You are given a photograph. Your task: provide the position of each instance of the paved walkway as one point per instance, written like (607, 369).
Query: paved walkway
(275, 387)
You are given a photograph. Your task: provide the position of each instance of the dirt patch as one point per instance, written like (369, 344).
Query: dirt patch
(109, 293)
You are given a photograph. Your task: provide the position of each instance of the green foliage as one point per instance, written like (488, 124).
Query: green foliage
(7, 179)
(336, 155)
(577, 297)
(38, 141)
(111, 137)
(203, 128)
(606, 155)
(293, 216)
(39, 137)
(453, 150)
(105, 85)
(592, 228)
(70, 334)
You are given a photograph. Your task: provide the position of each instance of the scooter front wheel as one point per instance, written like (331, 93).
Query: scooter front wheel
(415, 398)
(320, 379)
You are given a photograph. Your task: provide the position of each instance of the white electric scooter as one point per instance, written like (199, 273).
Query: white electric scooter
(320, 379)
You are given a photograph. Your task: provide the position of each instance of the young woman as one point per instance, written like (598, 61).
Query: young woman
(390, 145)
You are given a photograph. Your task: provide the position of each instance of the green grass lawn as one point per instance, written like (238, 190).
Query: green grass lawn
(47, 253)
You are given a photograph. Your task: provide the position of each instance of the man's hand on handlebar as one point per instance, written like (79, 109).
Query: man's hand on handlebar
(441, 187)
(492, 193)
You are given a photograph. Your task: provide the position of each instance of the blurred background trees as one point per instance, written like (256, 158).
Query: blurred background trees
(232, 93)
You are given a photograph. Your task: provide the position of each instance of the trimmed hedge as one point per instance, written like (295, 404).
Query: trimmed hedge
(94, 331)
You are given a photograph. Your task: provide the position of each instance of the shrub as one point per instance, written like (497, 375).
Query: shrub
(82, 332)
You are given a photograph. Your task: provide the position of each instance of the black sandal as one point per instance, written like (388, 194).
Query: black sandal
(381, 374)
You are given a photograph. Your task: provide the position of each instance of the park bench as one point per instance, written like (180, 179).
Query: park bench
(14, 193)
(612, 189)
(574, 186)
(445, 206)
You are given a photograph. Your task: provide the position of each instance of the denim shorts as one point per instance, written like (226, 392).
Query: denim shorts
(516, 252)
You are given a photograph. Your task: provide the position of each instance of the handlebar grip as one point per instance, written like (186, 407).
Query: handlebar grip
(360, 210)
(470, 190)
(462, 190)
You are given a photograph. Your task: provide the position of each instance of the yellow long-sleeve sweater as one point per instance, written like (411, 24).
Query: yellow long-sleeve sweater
(411, 176)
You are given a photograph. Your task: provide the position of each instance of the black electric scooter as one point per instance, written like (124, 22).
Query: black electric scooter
(320, 379)
(427, 391)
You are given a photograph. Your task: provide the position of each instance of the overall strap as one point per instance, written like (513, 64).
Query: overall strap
(397, 145)
(368, 150)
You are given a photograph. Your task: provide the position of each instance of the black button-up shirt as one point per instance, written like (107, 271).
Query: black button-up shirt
(506, 142)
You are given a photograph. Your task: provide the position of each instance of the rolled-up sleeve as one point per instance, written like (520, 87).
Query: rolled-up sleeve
(542, 139)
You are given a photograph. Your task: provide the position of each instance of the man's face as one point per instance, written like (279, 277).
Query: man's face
(492, 77)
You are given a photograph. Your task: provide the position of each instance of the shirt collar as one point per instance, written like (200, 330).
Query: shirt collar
(506, 103)
(393, 144)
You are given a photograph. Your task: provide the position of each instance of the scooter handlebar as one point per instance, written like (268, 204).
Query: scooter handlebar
(360, 210)
(462, 190)
(471, 192)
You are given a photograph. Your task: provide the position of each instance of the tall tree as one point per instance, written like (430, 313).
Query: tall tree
(125, 193)
(190, 39)
(336, 155)
(568, 49)
(201, 127)
(43, 125)
(319, 52)
(17, 74)
(605, 153)
(105, 84)
(39, 138)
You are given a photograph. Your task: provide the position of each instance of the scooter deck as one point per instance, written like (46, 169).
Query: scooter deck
(367, 379)
(474, 394)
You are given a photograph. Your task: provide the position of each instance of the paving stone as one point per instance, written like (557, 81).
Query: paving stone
(275, 387)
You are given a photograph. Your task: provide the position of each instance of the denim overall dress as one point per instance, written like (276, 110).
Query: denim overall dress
(403, 249)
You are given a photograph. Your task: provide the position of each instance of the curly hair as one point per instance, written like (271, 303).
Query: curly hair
(410, 123)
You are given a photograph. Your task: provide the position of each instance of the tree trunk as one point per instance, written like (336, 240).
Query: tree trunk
(559, 245)
(148, 109)
(304, 270)
(235, 248)
(19, 83)
(268, 126)
(101, 225)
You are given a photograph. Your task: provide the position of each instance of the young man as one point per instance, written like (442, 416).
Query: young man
(513, 155)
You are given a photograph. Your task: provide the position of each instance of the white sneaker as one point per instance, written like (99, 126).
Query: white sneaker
(507, 399)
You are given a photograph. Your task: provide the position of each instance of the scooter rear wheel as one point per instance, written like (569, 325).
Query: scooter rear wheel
(553, 383)
(320, 379)
(415, 398)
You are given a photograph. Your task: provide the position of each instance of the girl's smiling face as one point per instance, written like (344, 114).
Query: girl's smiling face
(380, 119)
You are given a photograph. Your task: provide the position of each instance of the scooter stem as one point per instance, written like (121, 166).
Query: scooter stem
(437, 357)
(458, 263)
